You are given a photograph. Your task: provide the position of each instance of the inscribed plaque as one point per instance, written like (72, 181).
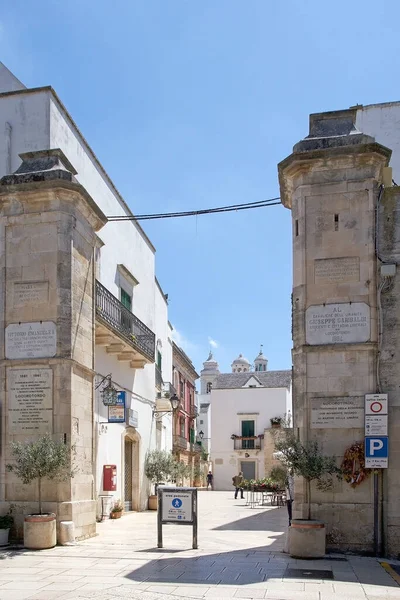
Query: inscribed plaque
(334, 413)
(30, 401)
(335, 270)
(30, 293)
(345, 323)
(31, 340)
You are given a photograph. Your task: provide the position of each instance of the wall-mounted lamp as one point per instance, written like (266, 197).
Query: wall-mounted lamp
(109, 394)
(174, 401)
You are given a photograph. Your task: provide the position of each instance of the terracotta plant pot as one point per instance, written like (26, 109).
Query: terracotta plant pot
(116, 515)
(153, 503)
(40, 531)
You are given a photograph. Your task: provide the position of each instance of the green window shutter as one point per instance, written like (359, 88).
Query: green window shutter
(159, 359)
(126, 300)
(247, 428)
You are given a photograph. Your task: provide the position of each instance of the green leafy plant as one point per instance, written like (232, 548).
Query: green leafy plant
(6, 521)
(305, 459)
(117, 507)
(276, 420)
(279, 474)
(180, 472)
(40, 459)
(158, 466)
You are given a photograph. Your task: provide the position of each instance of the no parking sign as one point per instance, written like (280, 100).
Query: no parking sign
(376, 431)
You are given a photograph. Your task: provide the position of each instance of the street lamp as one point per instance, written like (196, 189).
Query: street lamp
(109, 394)
(174, 401)
(201, 434)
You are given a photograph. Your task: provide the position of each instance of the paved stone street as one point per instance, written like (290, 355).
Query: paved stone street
(239, 556)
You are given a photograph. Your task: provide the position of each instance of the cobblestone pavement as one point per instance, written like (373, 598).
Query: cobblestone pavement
(240, 555)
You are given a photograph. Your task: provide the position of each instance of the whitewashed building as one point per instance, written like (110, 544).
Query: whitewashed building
(242, 404)
(133, 346)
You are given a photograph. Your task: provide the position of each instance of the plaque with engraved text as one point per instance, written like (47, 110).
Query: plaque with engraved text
(31, 340)
(336, 270)
(30, 401)
(338, 412)
(345, 323)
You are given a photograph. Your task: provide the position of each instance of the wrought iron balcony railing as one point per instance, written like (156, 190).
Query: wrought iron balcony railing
(114, 314)
(193, 411)
(246, 443)
(180, 442)
(159, 379)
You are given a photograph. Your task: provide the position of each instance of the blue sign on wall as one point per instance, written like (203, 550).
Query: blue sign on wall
(376, 447)
(116, 413)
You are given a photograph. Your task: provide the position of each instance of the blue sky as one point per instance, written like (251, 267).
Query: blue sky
(191, 104)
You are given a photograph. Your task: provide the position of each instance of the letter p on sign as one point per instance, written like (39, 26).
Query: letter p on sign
(374, 446)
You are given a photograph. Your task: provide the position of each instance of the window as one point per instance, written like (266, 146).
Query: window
(159, 359)
(248, 430)
(336, 222)
(126, 299)
(209, 388)
(181, 387)
(182, 427)
(201, 421)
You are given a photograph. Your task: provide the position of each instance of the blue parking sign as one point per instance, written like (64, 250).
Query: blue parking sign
(376, 452)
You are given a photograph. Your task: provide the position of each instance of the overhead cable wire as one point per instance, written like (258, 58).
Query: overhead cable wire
(190, 213)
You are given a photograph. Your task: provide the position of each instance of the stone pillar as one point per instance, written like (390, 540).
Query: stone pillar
(47, 239)
(330, 183)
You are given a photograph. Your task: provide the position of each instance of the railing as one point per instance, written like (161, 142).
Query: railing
(180, 442)
(159, 379)
(246, 443)
(167, 389)
(110, 310)
(193, 411)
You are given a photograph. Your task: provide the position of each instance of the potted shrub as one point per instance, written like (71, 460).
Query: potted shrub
(158, 468)
(6, 522)
(276, 422)
(180, 472)
(305, 459)
(117, 510)
(43, 458)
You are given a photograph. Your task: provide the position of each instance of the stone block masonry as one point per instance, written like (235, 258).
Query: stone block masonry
(331, 184)
(47, 238)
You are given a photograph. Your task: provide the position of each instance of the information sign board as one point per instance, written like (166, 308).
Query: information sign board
(376, 404)
(177, 506)
(376, 425)
(116, 412)
(376, 452)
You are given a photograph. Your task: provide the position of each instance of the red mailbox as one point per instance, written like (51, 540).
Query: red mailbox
(109, 478)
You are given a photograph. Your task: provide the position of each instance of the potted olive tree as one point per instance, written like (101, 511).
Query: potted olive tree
(306, 460)
(158, 468)
(38, 460)
(6, 522)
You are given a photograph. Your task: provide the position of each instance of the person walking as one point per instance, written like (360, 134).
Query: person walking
(210, 478)
(289, 495)
(237, 481)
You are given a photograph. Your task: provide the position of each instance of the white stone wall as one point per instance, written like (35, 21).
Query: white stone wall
(37, 120)
(229, 408)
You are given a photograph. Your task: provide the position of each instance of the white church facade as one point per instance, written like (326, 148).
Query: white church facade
(241, 405)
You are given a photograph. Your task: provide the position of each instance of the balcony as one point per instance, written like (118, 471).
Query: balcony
(121, 332)
(246, 443)
(193, 411)
(180, 443)
(159, 379)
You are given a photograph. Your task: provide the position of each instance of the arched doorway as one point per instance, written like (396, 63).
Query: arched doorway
(131, 442)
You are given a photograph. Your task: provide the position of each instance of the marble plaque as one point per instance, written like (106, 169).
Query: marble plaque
(336, 270)
(30, 401)
(338, 323)
(335, 413)
(30, 293)
(31, 340)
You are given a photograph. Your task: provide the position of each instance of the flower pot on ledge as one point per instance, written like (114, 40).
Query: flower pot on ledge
(153, 502)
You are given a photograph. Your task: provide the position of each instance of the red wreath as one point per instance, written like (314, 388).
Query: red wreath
(353, 465)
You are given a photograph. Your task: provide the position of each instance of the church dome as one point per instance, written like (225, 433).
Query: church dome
(240, 364)
(260, 362)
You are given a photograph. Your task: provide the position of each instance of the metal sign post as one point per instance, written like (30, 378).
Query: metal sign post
(176, 505)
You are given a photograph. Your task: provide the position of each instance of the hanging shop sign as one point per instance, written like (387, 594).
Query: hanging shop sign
(116, 412)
